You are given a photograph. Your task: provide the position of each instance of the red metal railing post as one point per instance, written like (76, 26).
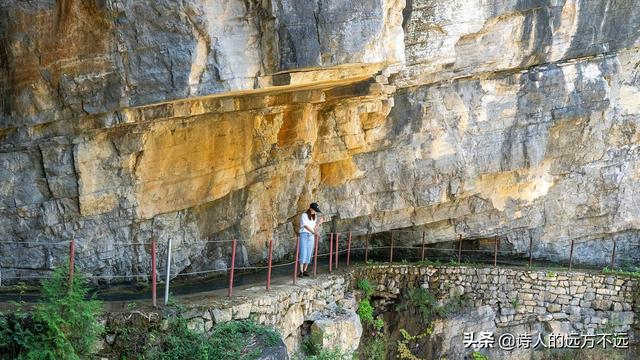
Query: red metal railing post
(72, 262)
(315, 256)
(348, 248)
(459, 248)
(337, 242)
(613, 255)
(495, 251)
(295, 266)
(530, 250)
(330, 252)
(571, 256)
(233, 266)
(269, 264)
(153, 273)
(422, 257)
(391, 249)
(366, 248)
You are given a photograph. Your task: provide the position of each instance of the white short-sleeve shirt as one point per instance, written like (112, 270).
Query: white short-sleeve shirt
(305, 220)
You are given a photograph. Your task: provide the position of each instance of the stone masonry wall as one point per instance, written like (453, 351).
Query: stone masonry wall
(545, 301)
(515, 302)
(285, 307)
(574, 301)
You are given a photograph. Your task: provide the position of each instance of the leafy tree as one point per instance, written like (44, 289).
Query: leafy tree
(62, 325)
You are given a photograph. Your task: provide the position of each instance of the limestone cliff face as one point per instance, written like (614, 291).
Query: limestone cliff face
(511, 118)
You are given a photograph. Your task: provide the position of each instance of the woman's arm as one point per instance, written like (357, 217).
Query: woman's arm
(306, 224)
(320, 221)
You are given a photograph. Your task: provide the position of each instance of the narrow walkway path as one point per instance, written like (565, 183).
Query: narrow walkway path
(190, 290)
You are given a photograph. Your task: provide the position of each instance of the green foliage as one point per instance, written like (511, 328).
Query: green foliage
(457, 304)
(628, 271)
(515, 303)
(374, 343)
(62, 325)
(374, 348)
(478, 356)
(312, 350)
(366, 287)
(4, 332)
(331, 354)
(230, 340)
(423, 300)
(428, 306)
(469, 262)
(428, 262)
(378, 324)
(175, 304)
(404, 351)
(551, 273)
(312, 345)
(179, 342)
(13, 332)
(365, 311)
(232, 337)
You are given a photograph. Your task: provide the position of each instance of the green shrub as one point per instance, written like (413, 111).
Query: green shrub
(628, 271)
(374, 348)
(404, 349)
(428, 262)
(180, 342)
(62, 325)
(422, 300)
(479, 356)
(331, 354)
(13, 335)
(366, 287)
(312, 345)
(231, 334)
(428, 306)
(365, 311)
(312, 350)
(228, 340)
(378, 324)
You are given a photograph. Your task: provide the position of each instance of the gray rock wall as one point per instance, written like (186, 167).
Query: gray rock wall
(68, 58)
(516, 119)
(451, 39)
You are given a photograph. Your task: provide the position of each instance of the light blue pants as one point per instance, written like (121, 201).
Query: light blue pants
(306, 247)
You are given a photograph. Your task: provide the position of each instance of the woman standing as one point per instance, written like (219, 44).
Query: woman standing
(308, 230)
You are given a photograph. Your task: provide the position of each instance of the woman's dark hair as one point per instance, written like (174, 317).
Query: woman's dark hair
(310, 215)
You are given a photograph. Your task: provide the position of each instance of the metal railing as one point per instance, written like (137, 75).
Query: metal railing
(455, 253)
